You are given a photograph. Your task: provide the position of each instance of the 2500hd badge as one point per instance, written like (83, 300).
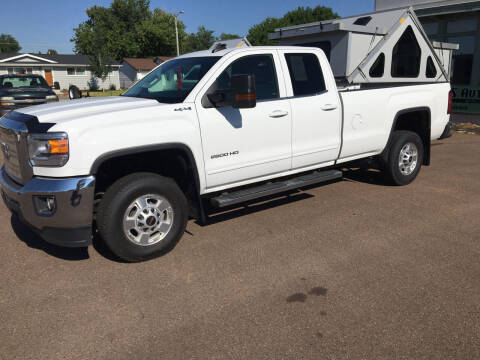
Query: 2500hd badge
(216, 156)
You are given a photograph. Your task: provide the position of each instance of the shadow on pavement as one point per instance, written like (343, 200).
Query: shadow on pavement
(368, 176)
(34, 241)
(102, 249)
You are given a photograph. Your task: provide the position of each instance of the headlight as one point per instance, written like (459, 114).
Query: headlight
(4, 101)
(51, 98)
(49, 149)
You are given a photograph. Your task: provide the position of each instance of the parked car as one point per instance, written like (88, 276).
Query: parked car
(18, 91)
(252, 122)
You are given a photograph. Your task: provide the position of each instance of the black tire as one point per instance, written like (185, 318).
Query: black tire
(119, 197)
(74, 92)
(392, 168)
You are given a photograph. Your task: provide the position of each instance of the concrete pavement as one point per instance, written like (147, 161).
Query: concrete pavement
(351, 270)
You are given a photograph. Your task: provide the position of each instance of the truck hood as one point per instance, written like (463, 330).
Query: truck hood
(69, 110)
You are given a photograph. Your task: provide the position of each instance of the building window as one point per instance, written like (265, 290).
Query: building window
(467, 44)
(378, 67)
(430, 28)
(431, 69)
(462, 69)
(20, 70)
(76, 71)
(463, 25)
(305, 73)
(406, 56)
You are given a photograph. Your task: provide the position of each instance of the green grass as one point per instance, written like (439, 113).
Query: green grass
(103, 93)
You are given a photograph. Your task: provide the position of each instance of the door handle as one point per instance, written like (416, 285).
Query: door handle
(278, 114)
(329, 107)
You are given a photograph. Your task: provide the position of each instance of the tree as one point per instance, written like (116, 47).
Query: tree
(128, 28)
(156, 36)
(52, 52)
(201, 40)
(226, 36)
(8, 44)
(258, 34)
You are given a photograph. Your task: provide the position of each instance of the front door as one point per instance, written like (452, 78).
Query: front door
(49, 77)
(241, 145)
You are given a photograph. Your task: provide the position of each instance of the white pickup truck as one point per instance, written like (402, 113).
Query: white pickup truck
(205, 129)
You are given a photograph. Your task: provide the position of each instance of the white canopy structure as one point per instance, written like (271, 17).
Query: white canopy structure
(382, 47)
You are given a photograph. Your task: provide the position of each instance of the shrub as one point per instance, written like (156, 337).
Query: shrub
(112, 87)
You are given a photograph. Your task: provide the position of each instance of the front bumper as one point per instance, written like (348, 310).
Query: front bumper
(70, 222)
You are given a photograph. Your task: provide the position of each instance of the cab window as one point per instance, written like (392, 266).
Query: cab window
(306, 74)
(262, 67)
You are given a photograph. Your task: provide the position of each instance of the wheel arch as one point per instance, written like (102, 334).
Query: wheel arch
(416, 119)
(180, 149)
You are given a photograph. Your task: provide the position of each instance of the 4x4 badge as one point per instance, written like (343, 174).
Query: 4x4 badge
(183, 109)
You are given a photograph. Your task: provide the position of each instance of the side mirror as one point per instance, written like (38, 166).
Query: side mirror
(217, 97)
(244, 92)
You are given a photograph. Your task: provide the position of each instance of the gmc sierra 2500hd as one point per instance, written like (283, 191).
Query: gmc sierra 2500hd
(220, 126)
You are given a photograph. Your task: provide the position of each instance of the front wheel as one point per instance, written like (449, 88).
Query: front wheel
(405, 157)
(141, 216)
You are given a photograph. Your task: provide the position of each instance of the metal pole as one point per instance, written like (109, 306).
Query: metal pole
(176, 34)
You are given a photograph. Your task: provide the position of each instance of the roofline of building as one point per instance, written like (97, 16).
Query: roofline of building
(423, 10)
(30, 55)
(440, 7)
(43, 60)
(47, 65)
(137, 68)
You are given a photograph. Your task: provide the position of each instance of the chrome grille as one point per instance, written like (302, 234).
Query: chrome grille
(9, 149)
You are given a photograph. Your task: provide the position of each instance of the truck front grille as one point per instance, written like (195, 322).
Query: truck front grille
(9, 150)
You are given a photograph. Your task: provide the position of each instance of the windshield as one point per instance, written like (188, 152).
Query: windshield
(172, 82)
(15, 82)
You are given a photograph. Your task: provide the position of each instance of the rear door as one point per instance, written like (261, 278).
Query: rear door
(315, 106)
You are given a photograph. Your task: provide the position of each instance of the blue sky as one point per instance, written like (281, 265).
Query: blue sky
(42, 24)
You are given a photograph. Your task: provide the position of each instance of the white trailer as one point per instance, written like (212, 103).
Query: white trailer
(370, 48)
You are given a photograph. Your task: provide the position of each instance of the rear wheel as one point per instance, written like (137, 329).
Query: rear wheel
(405, 157)
(141, 216)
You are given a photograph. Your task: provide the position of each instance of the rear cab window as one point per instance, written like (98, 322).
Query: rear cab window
(305, 74)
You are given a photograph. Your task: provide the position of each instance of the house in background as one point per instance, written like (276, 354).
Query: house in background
(65, 69)
(134, 69)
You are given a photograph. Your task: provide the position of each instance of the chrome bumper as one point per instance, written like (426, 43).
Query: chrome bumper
(70, 222)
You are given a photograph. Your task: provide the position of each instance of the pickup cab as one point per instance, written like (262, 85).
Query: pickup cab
(206, 129)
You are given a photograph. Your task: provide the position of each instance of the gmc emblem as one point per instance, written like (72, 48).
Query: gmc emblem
(5, 151)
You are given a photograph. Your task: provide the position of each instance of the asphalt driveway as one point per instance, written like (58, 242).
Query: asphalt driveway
(351, 270)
